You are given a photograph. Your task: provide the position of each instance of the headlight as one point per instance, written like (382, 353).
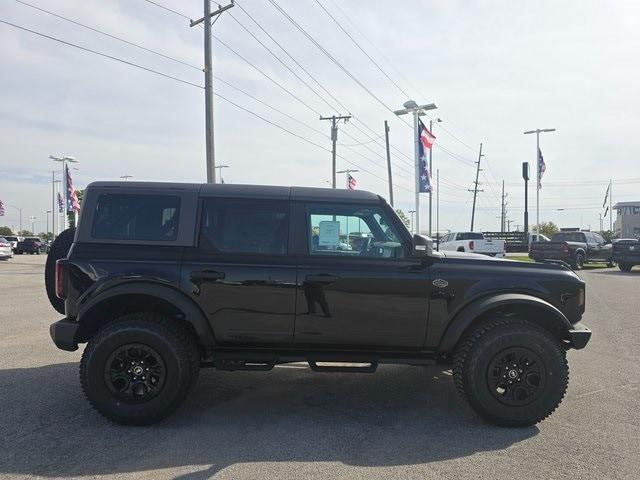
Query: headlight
(581, 297)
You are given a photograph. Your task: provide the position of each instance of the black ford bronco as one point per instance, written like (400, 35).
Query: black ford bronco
(162, 279)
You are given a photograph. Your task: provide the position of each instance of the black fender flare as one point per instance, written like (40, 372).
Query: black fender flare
(192, 312)
(472, 311)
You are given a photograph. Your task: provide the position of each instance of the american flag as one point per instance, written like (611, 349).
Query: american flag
(60, 203)
(352, 183)
(542, 167)
(72, 198)
(1, 208)
(425, 143)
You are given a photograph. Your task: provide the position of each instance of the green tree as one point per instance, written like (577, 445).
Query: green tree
(25, 233)
(548, 229)
(403, 217)
(608, 235)
(45, 236)
(5, 231)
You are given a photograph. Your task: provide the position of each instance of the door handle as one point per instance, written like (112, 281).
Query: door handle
(207, 275)
(322, 278)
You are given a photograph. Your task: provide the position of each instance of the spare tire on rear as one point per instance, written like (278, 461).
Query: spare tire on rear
(59, 249)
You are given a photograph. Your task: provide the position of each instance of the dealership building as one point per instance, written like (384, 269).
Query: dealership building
(627, 223)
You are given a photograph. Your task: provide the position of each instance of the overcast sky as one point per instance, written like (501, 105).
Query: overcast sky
(494, 68)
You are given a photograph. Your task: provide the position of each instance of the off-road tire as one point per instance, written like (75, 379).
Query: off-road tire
(59, 249)
(625, 267)
(578, 262)
(476, 352)
(177, 349)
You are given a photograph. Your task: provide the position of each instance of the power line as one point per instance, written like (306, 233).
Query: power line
(168, 9)
(362, 49)
(332, 58)
(171, 77)
(75, 22)
(126, 62)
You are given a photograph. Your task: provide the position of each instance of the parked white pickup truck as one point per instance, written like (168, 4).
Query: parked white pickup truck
(473, 243)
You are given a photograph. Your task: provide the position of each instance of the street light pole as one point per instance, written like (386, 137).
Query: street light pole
(348, 172)
(220, 167)
(538, 131)
(416, 110)
(412, 224)
(126, 177)
(64, 159)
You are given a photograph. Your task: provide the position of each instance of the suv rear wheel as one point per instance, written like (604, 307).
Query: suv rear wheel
(59, 249)
(512, 373)
(139, 369)
(578, 263)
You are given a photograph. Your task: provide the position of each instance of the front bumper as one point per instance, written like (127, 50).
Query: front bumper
(63, 334)
(579, 336)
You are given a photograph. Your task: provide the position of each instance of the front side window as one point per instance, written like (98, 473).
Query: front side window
(244, 226)
(352, 231)
(136, 217)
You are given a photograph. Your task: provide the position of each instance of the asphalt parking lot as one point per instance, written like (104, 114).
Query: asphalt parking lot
(401, 422)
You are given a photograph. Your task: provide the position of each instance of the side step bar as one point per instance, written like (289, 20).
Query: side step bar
(359, 367)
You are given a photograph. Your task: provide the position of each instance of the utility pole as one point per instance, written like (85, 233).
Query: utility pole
(509, 222)
(538, 131)
(525, 177)
(220, 167)
(410, 106)
(334, 139)
(475, 188)
(348, 172)
(386, 140)
(600, 216)
(411, 212)
(503, 215)
(56, 209)
(208, 84)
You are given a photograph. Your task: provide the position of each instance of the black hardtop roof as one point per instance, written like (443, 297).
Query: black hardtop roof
(248, 191)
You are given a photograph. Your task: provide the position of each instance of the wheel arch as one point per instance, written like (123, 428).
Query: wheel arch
(536, 310)
(143, 297)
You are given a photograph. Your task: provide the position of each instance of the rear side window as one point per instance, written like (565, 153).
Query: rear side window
(136, 217)
(470, 236)
(245, 226)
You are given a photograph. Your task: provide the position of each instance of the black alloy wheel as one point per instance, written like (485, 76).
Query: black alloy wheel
(516, 376)
(135, 373)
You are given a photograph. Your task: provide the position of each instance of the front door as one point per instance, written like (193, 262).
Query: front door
(358, 284)
(240, 273)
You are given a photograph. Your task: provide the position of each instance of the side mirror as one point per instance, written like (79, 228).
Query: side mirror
(422, 246)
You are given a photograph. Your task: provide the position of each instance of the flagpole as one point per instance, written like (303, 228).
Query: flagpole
(538, 182)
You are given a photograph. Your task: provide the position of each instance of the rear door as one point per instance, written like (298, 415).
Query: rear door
(239, 272)
(358, 284)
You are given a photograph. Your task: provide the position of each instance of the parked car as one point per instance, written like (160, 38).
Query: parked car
(626, 253)
(574, 248)
(162, 279)
(472, 242)
(6, 251)
(32, 245)
(13, 241)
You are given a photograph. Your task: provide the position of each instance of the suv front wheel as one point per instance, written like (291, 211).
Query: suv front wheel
(139, 369)
(512, 373)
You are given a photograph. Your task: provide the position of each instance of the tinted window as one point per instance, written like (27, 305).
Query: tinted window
(569, 237)
(245, 226)
(12, 239)
(598, 238)
(470, 236)
(136, 217)
(352, 231)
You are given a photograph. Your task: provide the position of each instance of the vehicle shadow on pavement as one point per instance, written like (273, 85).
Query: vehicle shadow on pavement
(618, 273)
(400, 415)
